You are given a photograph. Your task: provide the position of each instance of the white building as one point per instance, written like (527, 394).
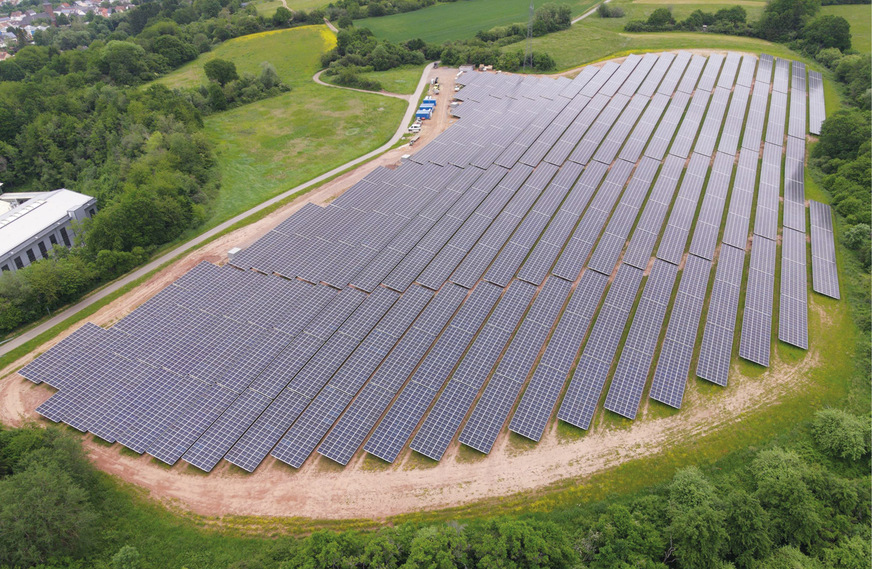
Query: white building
(32, 222)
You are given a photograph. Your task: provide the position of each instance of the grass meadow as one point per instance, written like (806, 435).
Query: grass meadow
(270, 146)
(269, 7)
(402, 80)
(860, 18)
(456, 20)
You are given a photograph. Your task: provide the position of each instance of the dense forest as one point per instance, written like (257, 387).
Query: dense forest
(802, 503)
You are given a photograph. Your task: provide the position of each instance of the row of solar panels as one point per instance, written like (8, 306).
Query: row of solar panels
(451, 221)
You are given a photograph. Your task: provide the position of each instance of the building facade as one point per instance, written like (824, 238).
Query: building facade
(31, 223)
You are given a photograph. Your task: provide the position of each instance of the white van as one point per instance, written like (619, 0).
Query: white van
(415, 128)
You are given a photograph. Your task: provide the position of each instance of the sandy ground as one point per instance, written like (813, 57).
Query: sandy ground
(367, 487)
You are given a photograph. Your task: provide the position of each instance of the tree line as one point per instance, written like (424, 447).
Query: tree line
(804, 505)
(795, 22)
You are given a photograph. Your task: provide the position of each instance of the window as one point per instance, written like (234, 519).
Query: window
(53, 239)
(42, 250)
(4, 268)
(91, 212)
(65, 237)
(31, 256)
(18, 263)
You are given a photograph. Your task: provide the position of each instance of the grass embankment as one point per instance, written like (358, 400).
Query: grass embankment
(456, 20)
(402, 80)
(269, 7)
(595, 38)
(267, 147)
(860, 18)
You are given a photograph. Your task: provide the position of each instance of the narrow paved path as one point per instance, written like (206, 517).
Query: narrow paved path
(170, 255)
(331, 26)
(317, 79)
(589, 12)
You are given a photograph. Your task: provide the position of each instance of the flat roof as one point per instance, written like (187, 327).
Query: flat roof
(44, 209)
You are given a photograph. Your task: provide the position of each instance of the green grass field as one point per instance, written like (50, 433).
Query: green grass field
(456, 20)
(860, 18)
(269, 7)
(595, 39)
(641, 9)
(402, 80)
(270, 146)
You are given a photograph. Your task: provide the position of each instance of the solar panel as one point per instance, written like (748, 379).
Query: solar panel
(680, 220)
(759, 291)
(816, 106)
(625, 391)
(793, 317)
(717, 339)
(395, 429)
(492, 409)
(711, 211)
(673, 365)
(590, 376)
(443, 421)
(340, 315)
(823, 251)
(547, 382)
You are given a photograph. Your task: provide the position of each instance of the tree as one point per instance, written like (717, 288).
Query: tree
(127, 558)
(438, 547)
(734, 15)
(543, 61)
(208, 8)
(783, 19)
(849, 554)
(696, 522)
(516, 544)
(174, 50)
(282, 17)
(749, 529)
(782, 489)
(621, 539)
(551, 17)
(124, 63)
(661, 17)
(828, 31)
(221, 70)
(43, 514)
(839, 432)
(842, 135)
(269, 78)
(857, 237)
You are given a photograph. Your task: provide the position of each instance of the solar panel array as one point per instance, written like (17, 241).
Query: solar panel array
(523, 262)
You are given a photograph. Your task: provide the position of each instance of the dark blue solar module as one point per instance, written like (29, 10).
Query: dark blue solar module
(627, 385)
(547, 382)
(492, 410)
(583, 393)
(429, 296)
(673, 365)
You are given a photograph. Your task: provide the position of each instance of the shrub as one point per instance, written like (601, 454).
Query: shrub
(841, 433)
(829, 57)
(606, 11)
